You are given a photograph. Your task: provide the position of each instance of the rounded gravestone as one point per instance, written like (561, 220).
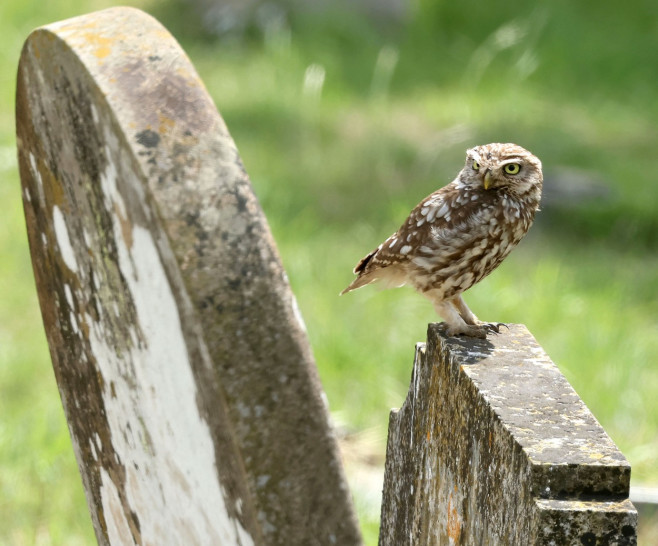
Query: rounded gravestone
(189, 387)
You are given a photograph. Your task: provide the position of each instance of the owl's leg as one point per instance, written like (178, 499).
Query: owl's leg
(470, 318)
(456, 324)
(468, 315)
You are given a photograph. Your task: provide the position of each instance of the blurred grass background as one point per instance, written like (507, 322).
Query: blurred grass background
(345, 121)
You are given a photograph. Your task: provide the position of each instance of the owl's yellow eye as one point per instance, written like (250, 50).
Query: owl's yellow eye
(512, 168)
(476, 165)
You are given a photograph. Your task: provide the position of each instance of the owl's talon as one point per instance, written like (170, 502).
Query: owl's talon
(494, 326)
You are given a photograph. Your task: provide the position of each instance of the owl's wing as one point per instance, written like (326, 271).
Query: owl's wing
(446, 221)
(386, 262)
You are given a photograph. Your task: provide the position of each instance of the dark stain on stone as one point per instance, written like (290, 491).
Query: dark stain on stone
(588, 539)
(191, 218)
(148, 138)
(628, 531)
(241, 200)
(135, 519)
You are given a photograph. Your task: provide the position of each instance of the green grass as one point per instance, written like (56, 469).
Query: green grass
(336, 172)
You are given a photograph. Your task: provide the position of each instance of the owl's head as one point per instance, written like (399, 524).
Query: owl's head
(503, 166)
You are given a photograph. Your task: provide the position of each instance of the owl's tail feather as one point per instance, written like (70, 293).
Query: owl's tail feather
(360, 268)
(392, 276)
(363, 277)
(360, 281)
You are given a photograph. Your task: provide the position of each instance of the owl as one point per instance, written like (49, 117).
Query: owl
(459, 234)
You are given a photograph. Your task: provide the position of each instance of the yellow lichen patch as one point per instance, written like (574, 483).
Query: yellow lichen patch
(102, 52)
(162, 33)
(454, 522)
(102, 46)
(166, 123)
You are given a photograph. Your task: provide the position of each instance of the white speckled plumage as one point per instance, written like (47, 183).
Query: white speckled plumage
(461, 233)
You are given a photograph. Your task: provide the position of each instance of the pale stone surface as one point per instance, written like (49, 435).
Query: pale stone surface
(493, 446)
(184, 369)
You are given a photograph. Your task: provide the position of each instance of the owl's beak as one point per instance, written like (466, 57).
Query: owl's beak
(488, 181)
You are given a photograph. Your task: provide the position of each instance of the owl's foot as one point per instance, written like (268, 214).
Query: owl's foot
(468, 330)
(461, 320)
(479, 330)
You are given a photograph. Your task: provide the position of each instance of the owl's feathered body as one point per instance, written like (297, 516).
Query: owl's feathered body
(459, 234)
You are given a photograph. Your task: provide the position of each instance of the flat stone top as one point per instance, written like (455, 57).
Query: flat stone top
(535, 402)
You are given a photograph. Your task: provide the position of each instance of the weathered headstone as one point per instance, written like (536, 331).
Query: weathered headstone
(186, 376)
(493, 446)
